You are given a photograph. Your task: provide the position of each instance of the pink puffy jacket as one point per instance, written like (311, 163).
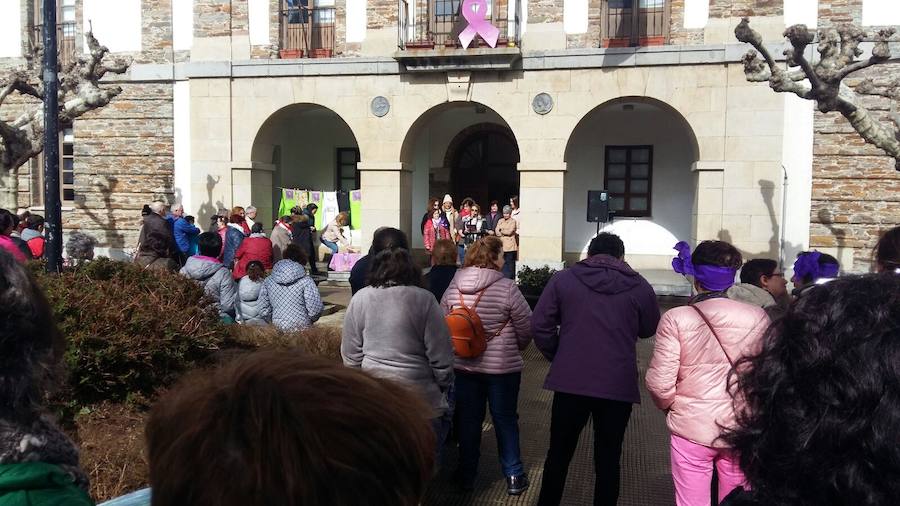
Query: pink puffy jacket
(501, 305)
(689, 370)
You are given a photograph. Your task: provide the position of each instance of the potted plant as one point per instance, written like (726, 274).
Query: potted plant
(532, 282)
(290, 53)
(321, 53)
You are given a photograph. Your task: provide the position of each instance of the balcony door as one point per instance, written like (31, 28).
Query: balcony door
(635, 23)
(65, 28)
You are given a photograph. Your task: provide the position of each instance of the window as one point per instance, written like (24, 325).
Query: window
(627, 177)
(634, 23)
(347, 174)
(66, 170)
(65, 28)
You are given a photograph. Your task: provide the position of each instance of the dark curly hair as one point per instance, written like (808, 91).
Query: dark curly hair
(821, 400)
(887, 251)
(31, 346)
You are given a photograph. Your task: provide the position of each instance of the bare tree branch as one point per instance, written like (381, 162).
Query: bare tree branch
(80, 91)
(822, 81)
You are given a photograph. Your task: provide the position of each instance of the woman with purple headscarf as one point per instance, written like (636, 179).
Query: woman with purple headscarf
(696, 347)
(813, 268)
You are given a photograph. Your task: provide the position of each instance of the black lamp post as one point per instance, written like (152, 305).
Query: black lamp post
(52, 204)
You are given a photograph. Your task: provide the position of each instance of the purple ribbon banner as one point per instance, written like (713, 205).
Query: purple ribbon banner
(473, 11)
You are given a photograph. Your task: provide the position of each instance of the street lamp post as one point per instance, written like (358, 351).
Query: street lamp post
(52, 204)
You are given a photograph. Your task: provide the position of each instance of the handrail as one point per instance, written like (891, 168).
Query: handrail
(65, 40)
(307, 31)
(435, 23)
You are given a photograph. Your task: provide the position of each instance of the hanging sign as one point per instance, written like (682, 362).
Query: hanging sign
(473, 11)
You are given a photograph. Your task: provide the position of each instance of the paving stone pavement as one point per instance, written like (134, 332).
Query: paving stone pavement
(646, 479)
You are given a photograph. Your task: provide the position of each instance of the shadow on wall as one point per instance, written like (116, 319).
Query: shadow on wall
(208, 209)
(777, 250)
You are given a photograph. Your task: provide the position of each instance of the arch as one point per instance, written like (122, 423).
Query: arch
(307, 146)
(285, 113)
(465, 135)
(424, 119)
(637, 99)
(642, 151)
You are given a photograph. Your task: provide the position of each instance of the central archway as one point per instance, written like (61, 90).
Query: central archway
(464, 149)
(483, 163)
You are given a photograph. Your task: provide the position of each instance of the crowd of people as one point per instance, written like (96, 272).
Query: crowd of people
(442, 221)
(786, 398)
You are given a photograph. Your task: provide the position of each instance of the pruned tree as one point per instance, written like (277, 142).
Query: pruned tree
(80, 91)
(823, 81)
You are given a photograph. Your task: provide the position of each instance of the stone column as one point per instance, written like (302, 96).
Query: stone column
(386, 197)
(709, 184)
(211, 186)
(251, 184)
(542, 218)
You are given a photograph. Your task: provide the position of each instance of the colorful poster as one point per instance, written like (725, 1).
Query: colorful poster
(356, 209)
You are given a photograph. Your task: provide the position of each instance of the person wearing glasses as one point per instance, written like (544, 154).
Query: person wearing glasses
(762, 284)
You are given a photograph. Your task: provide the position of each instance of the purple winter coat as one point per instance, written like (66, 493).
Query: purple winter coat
(501, 307)
(587, 322)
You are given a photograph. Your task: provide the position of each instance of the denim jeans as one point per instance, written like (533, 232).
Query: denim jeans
(501, 393)
(331, 245)
(462, 253)
(509, 264)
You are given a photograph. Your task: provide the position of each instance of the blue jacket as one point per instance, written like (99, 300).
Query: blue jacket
(234, 236)
(184, 234)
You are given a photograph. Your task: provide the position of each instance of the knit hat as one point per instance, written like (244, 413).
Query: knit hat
(447, 198)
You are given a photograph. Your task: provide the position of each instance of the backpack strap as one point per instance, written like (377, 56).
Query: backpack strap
(714, 333)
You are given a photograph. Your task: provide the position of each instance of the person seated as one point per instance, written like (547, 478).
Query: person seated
(209, 271)
(813, 268)
(289, 298)
(762, 284)
(820, 412)
(286, 428)
(38, 462)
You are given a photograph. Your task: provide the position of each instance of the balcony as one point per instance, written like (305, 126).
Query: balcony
(65, 41)
(307, 32)
(632, 23)
(429, 30)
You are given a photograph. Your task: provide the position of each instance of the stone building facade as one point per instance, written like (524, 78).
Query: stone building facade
(212, 116)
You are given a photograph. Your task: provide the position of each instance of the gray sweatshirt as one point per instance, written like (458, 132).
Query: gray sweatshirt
(399, 333)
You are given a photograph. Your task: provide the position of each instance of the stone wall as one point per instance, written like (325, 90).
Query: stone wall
(156, 40)
(739, 8)
(212, 18)
(545, 11)
(856, 189)
(592, 37)
(678, 34)
(123, 160)
(835, 12)
(382, 14)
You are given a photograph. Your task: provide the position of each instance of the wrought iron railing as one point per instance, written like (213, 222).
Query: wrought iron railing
(635, 23)
(65, 40)
(429, 24)
(307, 32)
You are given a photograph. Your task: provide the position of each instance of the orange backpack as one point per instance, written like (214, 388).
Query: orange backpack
(466, 329)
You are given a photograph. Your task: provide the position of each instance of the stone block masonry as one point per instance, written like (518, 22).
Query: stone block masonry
(124, 158)
(856, 189)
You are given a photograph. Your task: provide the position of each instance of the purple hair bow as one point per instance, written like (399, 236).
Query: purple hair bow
(710, 277)
(807, 266)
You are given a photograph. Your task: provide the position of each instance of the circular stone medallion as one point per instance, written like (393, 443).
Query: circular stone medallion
(542, 103)
(380, 106)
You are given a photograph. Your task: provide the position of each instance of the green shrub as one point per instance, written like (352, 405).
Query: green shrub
(533, 281)
(129, 331)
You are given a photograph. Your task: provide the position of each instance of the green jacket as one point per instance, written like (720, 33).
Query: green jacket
(39, 484)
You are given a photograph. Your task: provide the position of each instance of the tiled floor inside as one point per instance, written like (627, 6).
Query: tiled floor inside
(645, 461)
